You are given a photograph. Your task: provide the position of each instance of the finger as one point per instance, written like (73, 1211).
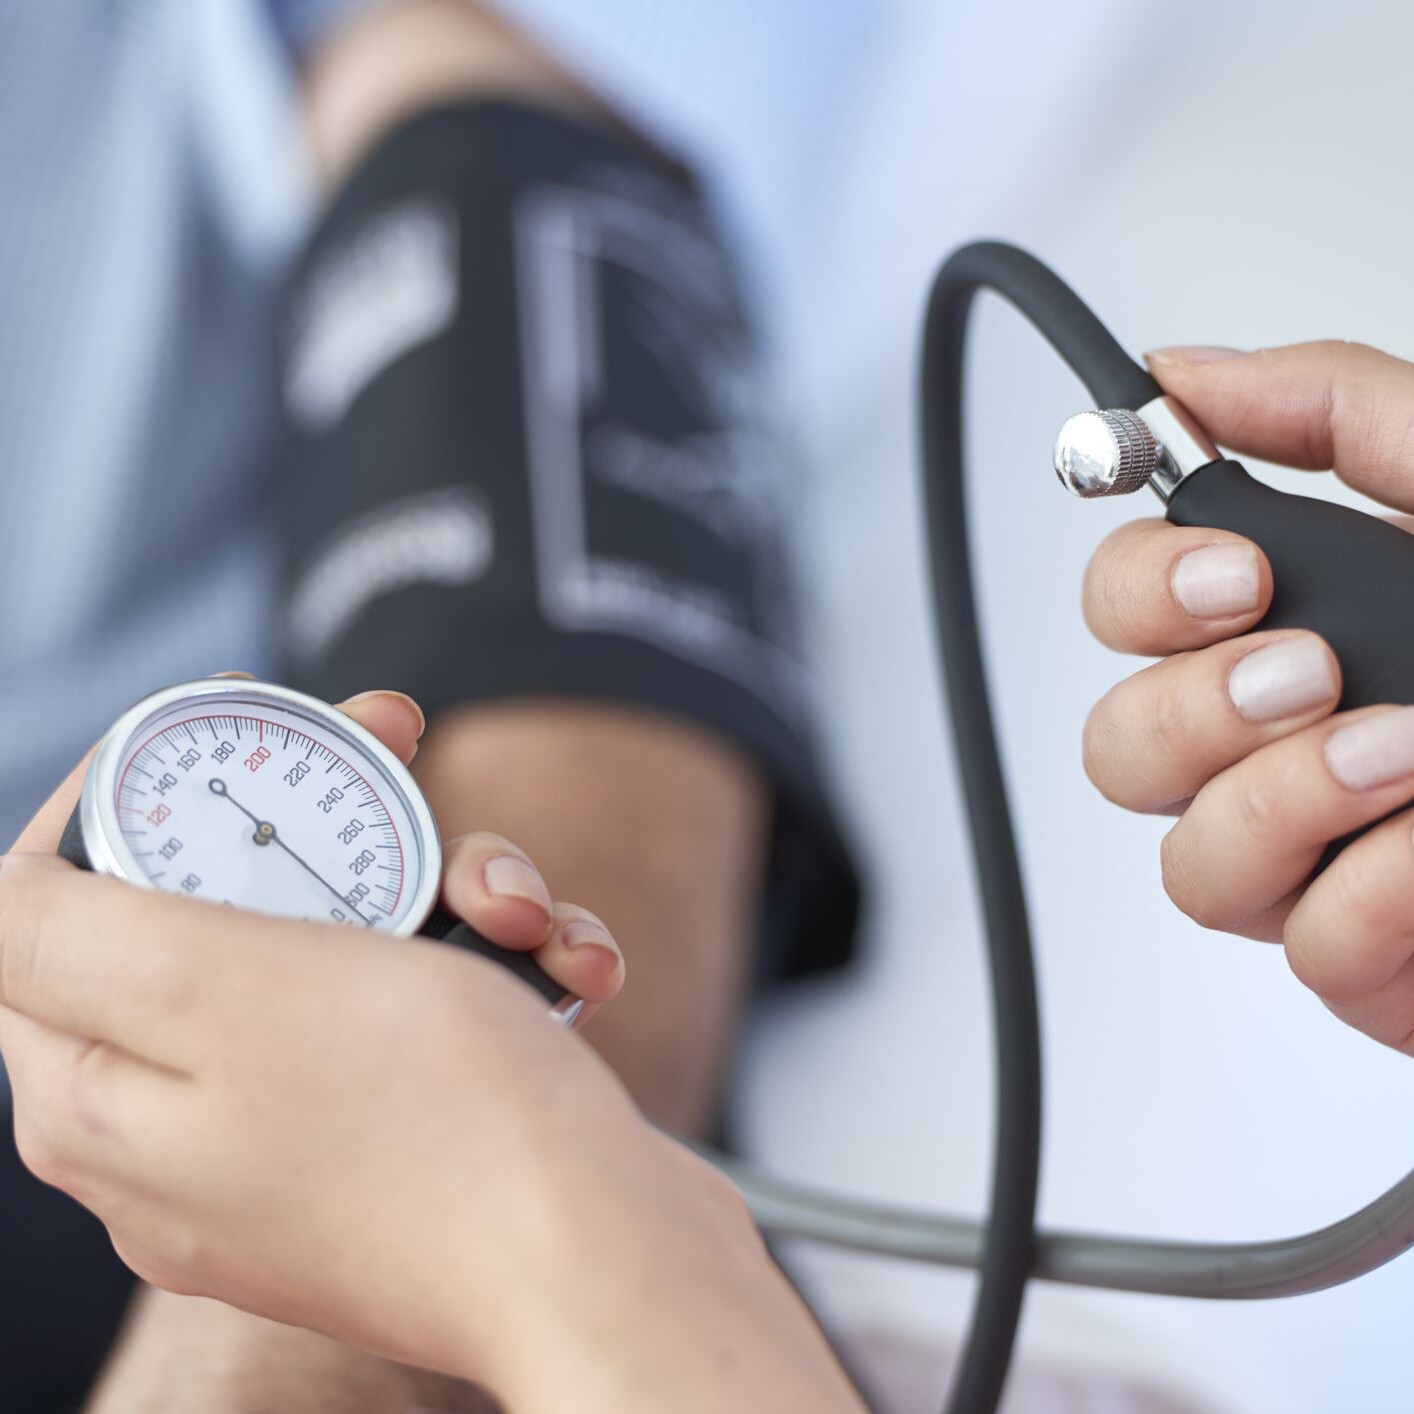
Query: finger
(583, 957)
(1351, 936)
(1157, 738)
(393, 717)
(1256, 830)
(493, 885)
(1156, 588)
(1307, 405)
(146, 971)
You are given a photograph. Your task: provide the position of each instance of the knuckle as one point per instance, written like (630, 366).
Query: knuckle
(1340, 350)
(1347, 417)
(92, 1086)
(1099, 746)
(172, 1257)
(1132, 626)
(1175, 873)
(1107, 594)
(37, 1150)
(1183, 882)
(487, 842)
(1143, 742)
(1308, 962)
(724, 1194)
(1258, 804)
(1304, 945)
(1118, 616)
(1349, 965)
(1117, 764)
(1173, 730)
(1359, 889)
(465, 858)
(136, 1258)
(460, 858)
(577, 913)
(1322, 965)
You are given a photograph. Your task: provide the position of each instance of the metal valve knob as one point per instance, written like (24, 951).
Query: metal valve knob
(1105, 453)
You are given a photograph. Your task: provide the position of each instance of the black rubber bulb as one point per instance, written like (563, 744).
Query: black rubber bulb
(1341, 573)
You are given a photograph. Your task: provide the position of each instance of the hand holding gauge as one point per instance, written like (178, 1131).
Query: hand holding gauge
(206, 1078)
(354, 840)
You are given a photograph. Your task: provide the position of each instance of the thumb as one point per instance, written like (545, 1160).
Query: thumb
(393, 717)
(1316, 405)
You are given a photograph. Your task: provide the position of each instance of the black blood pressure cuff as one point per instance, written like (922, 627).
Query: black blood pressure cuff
(527, 457)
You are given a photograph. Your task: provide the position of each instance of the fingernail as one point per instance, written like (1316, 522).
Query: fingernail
(1190, 353)
(584, 934)
(1282, 679)
(1373, 752)
(509, 877)
(402, 699)
(1217, 581)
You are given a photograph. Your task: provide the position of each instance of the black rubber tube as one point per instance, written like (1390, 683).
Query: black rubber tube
(1114, 380)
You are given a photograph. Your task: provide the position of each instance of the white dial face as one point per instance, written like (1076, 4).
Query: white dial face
(258, 800)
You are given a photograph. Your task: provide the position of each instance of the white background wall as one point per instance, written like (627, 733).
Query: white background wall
(1203, 173)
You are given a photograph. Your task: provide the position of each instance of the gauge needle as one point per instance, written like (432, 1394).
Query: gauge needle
(266, 833)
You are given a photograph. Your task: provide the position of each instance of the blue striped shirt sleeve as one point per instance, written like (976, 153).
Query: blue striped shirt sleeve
(300, 23)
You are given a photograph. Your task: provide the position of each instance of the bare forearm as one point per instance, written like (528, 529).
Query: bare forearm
(185, 1353)
(676, 875)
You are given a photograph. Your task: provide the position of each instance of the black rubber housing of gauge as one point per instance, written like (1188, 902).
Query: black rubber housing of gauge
(440, 925)
(448, 928)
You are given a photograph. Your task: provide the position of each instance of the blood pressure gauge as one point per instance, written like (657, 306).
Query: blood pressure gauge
(246, 793)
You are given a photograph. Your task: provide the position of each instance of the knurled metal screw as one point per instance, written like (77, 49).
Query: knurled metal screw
(1105, 453)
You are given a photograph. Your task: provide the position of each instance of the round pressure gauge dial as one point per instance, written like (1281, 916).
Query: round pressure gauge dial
(246, 793)
(261, 797)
